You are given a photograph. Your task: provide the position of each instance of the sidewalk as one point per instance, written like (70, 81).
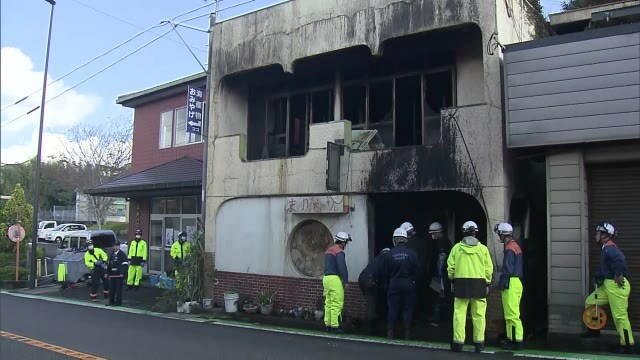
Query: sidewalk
(135, 305)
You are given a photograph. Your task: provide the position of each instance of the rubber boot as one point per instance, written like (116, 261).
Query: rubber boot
(407, 331)
(455, 347)
(479, 347)
(328, 329)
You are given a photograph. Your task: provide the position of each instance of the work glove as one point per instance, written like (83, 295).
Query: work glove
(142, 264)
(487, 290)
(619, 280)
(104, 266)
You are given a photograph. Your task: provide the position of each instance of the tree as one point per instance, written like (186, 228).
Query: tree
(16, 209)
(579, 4)
(55, 189)
(535, 15)
(94, 154)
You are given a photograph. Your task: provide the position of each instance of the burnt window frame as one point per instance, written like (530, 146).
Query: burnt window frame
(308, 121)
(367, 81)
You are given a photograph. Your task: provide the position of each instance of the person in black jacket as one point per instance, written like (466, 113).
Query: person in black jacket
(440, 281)
(401, 269)
(116, 270)
(371, 282)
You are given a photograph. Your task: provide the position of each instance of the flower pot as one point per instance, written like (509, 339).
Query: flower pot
(250, 308)
(180, 306)
(207, 303)
(318, 315)
(266, 309)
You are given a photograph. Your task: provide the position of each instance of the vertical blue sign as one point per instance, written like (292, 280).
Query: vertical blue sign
(195, 110)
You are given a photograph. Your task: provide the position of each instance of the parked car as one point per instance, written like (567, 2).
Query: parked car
(80, 240)
(44, 227)
(59, 231)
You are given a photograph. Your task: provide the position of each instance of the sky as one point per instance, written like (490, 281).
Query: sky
(82, 30)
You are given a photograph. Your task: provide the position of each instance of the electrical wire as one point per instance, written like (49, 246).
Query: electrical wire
(92, 76)
(194, 10)
(219, 10)
(85, 64)
(129, 22)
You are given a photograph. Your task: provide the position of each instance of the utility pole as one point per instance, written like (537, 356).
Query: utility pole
(36, 187)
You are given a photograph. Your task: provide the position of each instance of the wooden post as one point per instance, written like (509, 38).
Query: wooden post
(17, 260)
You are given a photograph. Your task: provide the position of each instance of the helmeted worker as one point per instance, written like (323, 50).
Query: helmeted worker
(402, 269)
(440, 281)
(180, 249)
(116, 268)
(511, 285)
(334, 282)
(470, 269)
(372, 284)
(137, 260)
(408, 227)
(615, 289)
(96, 260)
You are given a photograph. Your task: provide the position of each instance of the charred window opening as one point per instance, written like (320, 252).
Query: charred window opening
(322, 106)
(276, 144)
(354, 105)
(408, 111)
(403, 109)
(438, 95)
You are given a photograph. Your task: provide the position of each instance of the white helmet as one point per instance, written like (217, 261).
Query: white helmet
(607, 228)
(469, 227)
(435, 227)
(400, 232)
(407, 226)
(342, 237)
(503, 229)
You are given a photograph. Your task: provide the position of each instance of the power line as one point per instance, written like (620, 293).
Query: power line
(85, 64)
(130, 23)
(220, 10)
(92, 76)
(194, 10)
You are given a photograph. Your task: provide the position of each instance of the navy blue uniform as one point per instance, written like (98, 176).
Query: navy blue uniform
(402, 269)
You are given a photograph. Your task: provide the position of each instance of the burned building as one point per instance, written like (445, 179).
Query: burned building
(353, 116)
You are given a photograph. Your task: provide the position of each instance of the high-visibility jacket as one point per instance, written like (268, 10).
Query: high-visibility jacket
(92, 256)
(137, 251)
(470, 269)
(180, 250)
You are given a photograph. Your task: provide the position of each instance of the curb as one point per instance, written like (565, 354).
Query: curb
(535, 354)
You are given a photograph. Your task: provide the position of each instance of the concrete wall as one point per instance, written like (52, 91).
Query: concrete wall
(568, 240)
(299, 29)
(263, 247)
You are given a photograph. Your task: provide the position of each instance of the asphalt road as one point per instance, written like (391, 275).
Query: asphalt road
(119, 335)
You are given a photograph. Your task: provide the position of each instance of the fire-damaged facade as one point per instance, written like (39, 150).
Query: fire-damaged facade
(353, 116)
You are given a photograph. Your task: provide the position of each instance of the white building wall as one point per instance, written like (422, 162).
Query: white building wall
(253, 236)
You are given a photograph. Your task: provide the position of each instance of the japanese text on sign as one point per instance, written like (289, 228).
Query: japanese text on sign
(195, 110)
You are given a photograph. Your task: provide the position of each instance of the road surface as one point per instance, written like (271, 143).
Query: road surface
(109, 334)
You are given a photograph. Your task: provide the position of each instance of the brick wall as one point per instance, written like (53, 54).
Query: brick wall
(209, 267)
(139, 216)
(291, 291)
(146, 136)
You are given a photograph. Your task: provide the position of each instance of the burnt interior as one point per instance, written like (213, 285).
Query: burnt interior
(399, 93)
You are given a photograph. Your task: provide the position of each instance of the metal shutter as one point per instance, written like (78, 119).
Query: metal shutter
(614, 196)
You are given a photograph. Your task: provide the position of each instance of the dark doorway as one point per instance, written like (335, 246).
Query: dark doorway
(451, 209)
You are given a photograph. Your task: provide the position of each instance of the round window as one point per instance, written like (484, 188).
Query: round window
(307, 245)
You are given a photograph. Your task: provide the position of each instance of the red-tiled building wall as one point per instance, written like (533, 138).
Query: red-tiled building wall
(139, 210)
(146, 136)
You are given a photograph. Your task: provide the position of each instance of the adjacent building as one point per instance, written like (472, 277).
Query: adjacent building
(354, 116)
(164, 182)
(573, 100)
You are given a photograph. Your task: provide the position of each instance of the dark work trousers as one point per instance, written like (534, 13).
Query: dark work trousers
(370, 290)
(402, 301)
(115, 293)
(97, 276)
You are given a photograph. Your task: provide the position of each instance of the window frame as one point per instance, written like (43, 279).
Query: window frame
(161, 131)
(367, 81)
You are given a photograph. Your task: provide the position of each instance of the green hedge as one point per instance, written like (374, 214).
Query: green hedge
(8, 273)
(116, 227)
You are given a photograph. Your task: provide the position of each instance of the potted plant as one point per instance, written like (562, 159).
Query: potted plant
(265, 300)
(250, 308)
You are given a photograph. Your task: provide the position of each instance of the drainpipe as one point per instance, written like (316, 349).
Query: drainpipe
(205, 125)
